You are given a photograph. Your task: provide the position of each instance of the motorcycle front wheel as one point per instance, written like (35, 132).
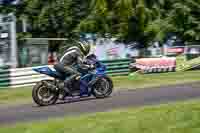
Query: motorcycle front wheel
(103, 87)
(42, 95)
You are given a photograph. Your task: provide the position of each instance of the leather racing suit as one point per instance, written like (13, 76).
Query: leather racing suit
(72, 57)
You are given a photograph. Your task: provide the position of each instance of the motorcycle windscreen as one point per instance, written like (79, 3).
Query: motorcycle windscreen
(101, 70)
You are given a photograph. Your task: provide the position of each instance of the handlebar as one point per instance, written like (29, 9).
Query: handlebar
(92, 60)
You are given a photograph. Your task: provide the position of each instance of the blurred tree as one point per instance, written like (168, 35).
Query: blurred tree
(131, 20)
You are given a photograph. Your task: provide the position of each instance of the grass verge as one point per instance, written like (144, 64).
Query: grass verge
(12, 96)
(155, 80)
(23, 95)
(169, 118)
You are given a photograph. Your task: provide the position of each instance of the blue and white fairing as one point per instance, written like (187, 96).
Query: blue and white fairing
(99, 71)
(48, 71)
(87, 78)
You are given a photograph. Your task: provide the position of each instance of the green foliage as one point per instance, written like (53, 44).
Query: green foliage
(184, 17)
(131, 20)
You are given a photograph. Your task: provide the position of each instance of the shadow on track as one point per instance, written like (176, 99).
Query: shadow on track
(71, 100)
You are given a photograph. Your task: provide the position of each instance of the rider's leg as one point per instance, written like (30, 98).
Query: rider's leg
(74, 75)
(71, 75)
(63, 71)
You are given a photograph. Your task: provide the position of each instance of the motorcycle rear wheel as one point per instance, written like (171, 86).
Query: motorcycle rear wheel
(42, 95)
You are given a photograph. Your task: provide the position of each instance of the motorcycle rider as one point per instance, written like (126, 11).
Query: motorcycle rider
(73, 56)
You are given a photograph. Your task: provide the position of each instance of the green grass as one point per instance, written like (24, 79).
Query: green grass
(15, 96)
(170, 118)
(154, 80)
(23, 95)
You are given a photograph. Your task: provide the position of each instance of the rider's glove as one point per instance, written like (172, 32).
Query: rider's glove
(92, 66)
(85, 62)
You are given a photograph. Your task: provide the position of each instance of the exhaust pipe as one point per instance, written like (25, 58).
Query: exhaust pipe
(50, 86)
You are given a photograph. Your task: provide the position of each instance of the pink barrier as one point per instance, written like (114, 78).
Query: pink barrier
(149, 63)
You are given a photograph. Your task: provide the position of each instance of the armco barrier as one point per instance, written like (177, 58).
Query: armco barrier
(4, 77)
(20, 77)
(26, 76)
(118, 67)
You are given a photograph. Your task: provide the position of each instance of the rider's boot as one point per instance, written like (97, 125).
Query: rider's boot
(67, 90)
(68, 83)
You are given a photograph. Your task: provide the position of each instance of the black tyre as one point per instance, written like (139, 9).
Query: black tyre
(103, 87)
(42, 95)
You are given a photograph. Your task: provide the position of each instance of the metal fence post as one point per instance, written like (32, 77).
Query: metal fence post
(13, 42)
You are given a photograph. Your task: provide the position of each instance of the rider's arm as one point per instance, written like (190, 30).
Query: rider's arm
(80, 62)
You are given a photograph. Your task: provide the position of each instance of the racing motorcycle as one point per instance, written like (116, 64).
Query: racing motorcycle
(93, 82)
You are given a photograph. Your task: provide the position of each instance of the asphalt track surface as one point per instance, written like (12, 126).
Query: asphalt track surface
(120, 99)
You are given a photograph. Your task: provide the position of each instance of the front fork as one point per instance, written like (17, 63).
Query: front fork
(85, 87)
